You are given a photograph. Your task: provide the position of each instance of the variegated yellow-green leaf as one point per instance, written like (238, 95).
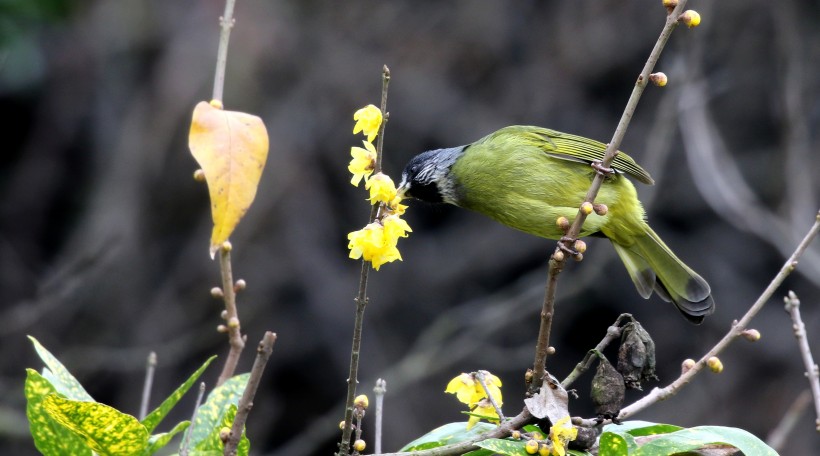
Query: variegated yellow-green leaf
(231, 148)
(62, 380)
(211, 414)
(214, 443)
(154, 418)
(50, 437)
(155, 442)
(105, 430)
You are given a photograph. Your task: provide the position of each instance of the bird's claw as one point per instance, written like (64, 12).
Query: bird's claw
(600, 169)
(566, 244)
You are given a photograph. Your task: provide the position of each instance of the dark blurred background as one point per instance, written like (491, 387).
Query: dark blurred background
(104, 234)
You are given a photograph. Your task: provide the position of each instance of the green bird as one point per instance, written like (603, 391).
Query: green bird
(527, 177)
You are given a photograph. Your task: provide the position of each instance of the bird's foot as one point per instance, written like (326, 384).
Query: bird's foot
(567, 245)
(600, 169)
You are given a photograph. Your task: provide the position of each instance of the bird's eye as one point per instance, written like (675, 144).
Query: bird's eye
(414, 169)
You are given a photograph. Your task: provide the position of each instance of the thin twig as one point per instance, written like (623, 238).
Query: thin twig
(793, 308)
(612, 333)
(150, 368)
(378, 391)
(226, 23)
(235, 339)
(263, 352)
(184, 450)
(480, 376)
(659, 394)
(361, 297)
(777, 437)
(541, 351)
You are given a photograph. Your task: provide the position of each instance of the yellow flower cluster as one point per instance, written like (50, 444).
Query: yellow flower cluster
(561, 433)
(468, 390)
(377, 241)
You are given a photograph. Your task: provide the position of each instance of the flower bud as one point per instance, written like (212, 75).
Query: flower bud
(586, 208)
(361, 401)
(752, 335)
(516, 435)
(715, 364)
(224, 434)
(563, 223)
(240, 285)
(537, 435)
(580, 246)
(199, 175)
(659, 79)
(342, 425)
(558, 255)
(531, 447)
(690, 18)
(233, 323)
(579, 257)
(359, 445)
(600, 209)
(216, 292)
(216, 103)
(227, 246)
(550, 350)
(670, 4)
(222, 329)
(543, 450)
(686, 365)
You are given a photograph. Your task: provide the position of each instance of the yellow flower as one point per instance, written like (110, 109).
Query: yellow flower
(486, 410)
(371, 244)
(394, 228)
(382, 189)
(363, 163)
(469, 391)
(561, 433)
(368, 120)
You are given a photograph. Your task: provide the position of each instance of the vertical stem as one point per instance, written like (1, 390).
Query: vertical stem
(226, 22)
(361, 297)
(378, 391)
(539, 367)
(150, 368)
(186, 443)
(235, 339)
(812, 373)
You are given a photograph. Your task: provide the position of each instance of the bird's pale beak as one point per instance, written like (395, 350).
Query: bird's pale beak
(403, 187)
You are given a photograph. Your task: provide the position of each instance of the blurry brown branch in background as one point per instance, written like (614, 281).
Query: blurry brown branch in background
(184, 450)
(263, 352)
(567, 243)
(150, 368)
(737, 329)
(792, 305)
(778, 436)
(361, 297)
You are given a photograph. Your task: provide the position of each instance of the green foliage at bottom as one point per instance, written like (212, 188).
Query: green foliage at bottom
(447, 435)
(673, 439)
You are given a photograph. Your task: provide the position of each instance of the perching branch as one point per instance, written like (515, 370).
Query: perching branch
(612, 333)
(812, 373)
(659, 394)
(361, 297)
(235, 338)
(263, 352)
(557, 259)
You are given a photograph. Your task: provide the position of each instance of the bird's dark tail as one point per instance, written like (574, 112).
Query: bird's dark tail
(653, 267)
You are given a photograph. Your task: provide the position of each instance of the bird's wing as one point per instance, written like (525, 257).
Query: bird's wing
(576, 148)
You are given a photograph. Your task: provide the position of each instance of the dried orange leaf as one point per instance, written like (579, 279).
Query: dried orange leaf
(231, 148)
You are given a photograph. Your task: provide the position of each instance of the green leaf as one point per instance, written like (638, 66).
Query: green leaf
(505, 447)
(157, 441)
(479, 452)
(155, 417)
(50, 437)
(64, 383)
(638, 428)
(210, 415)
(448, 434)
(693, 438)
(612, 444)
(579, 453)
(105, 430)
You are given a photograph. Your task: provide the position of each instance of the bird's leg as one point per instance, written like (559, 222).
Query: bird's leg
(600, 169)
(567, 245)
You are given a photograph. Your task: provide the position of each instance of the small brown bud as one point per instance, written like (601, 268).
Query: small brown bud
(516, 435)
(342, 425)
(239, 285)
(233, 323)
(361, 401)
(586, 208)
(563, 223)
(531, 447)
(580, 246)
(715, 364)
(359, 445)
(659, 79)
(199, 175)
(222, 328)
(550, 350)
(224, 314)
(544, 450)
(579, 257)
(528, 376)
(690, 18)
(227, 246)
(686, 365)
(224, 434)
(558, 255)
(670, 4)
(600, 209)
(752, 335)
(216, 292)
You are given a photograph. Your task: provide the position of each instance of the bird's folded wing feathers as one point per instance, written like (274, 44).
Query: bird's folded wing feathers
(576, 148)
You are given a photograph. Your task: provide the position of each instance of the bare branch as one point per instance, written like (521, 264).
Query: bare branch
(793, 308)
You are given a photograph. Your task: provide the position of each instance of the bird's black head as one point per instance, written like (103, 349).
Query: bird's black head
(419, 178)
